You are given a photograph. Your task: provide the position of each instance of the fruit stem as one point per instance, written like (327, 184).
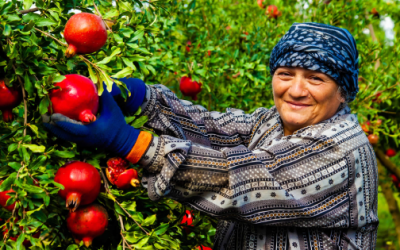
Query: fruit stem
(7, 115)
(73, 201)
(71, 51)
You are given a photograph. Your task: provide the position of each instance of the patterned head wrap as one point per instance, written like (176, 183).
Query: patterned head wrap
(320, 47)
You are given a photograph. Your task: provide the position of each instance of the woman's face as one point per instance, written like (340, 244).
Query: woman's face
(304, 97)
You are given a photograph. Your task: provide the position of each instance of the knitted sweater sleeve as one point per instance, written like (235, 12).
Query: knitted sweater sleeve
(169, 115)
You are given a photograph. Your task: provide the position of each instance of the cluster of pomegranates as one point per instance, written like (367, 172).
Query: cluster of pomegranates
(366, 127)
(272, 10)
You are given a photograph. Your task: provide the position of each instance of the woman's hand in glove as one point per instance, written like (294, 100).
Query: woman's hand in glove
(138, 91)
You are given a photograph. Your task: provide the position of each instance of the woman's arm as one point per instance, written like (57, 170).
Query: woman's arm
(327, 180)
(171, 116)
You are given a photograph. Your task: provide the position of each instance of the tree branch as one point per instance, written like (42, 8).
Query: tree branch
(119, 204)
(24, 98)
(387, 163)
(27, 11)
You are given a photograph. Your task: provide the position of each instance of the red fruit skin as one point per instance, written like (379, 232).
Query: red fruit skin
(127, 179)
(81, 183)
(87, 222)
(4, 198)
(273, 12)
(189, 87)
(261, 3)
(373, 139)
(390, 152)
(203, 248)
(187, 221)
(9, 99)
(189, 45)
(85, 33)
(77, 98)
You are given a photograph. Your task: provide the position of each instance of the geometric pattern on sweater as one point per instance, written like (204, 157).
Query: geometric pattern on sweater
(315, 189)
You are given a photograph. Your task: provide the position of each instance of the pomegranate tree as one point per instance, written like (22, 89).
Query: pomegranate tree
(189, 87)
(81, 183)
(4, 198)
(118, 174)
(15, 236)
(75, 98)
(9, 99)
(85, 33)
(87, 222)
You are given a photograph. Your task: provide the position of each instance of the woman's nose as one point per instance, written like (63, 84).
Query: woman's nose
(298, 88)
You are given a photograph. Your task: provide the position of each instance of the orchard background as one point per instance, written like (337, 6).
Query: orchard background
(229, 49)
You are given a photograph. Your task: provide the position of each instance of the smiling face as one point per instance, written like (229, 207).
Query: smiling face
(304, 97)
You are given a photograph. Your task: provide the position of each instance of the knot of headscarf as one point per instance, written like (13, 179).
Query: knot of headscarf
(320, 47)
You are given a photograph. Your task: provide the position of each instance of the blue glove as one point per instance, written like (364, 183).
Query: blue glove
(109, 131)
(138, 91)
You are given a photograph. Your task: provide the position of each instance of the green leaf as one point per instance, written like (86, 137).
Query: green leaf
(32, 189)
(123, 73)
(149, 220)
(28, 85)
(6, 185)
(44, 22)
(59, 78)
(161, 229)
(15, 165)
(93, 76)
(35, 148)
(12, 147)
(27, 4)
(44, 104)
(138, 123)
(138, 35)
(142, 242)
(108, 58)
(63, 154)
(72, 247)
(7, 30)
(34, 129)
(20, 240)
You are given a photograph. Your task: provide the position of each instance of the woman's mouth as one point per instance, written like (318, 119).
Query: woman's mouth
(297, 105)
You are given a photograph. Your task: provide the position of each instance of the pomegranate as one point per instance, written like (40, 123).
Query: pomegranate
(261, 3)
(9, 99)
(273, 12)
(377, 99)
(373, 139)
(87, 223)
(26, 243)
(4, 198)
(85, 33)
(77, 98)
(395, 180)
(390, 152)
(187, 221)
(118, 175)
(375, 13)
(203, 248)
(81, 183)
(188, 46)
(189, 87)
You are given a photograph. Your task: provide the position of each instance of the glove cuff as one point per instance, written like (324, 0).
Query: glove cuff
(142, 144)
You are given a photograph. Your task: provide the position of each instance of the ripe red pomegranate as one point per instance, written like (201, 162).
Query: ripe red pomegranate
(77, 98)
(188, 46)
(261, 3)
(118, 175)
(395, 180)
(203, 248)
(390, 152)
(87, 223)
(81, 183)
(189, 87)
(26, 243)
(85, 33)
(9, 99)
(4, 198)
(375, 13)
(273, 12)
(373, 139)
(187, 221)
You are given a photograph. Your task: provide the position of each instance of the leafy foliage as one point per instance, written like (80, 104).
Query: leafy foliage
(231, 42)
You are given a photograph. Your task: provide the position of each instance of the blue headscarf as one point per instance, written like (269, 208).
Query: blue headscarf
(320, 47)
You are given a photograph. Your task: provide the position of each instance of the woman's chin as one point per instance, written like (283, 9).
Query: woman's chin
(295, 120)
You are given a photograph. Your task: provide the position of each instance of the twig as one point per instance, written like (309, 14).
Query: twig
(387, 163)
(24, 98)
(374, 39)
(124, 242)
(52, 37)
(98, 13)
(27, 11)
(119, 204)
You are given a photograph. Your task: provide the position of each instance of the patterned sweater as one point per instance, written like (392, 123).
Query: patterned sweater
(315, 189)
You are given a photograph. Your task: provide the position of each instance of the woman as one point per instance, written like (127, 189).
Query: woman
(301, 175)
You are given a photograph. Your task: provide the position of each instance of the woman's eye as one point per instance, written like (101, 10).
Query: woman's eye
(284, 74)
(316, 79)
